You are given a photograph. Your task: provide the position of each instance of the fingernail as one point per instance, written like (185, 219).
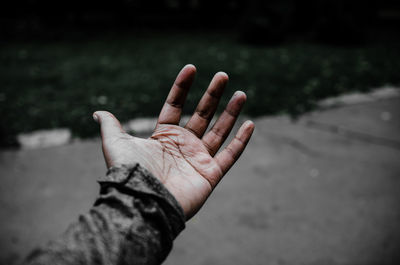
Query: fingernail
(95, 117)
(222, 73)
(249, 123)
(237, 93)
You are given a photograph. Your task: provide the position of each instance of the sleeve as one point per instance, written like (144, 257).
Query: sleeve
(134, 221)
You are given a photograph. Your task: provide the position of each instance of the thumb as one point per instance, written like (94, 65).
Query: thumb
(109, 125)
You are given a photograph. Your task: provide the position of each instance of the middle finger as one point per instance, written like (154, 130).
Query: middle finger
(208, 104)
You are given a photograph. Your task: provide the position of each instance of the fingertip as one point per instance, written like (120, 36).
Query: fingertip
(249, 123)
(249, 126)
(240, 94)
(222, 75)
(98, 115)
(246, 130)
(186, 76)
(239, 98)
(101, 115)
(190, 67)
(95, 117)
(109, 124)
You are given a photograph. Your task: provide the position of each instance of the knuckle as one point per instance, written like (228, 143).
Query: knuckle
(231, 152)
(204, 113)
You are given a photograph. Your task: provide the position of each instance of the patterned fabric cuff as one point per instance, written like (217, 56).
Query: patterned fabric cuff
(135, 179)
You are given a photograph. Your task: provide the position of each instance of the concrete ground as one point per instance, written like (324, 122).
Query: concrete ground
(322, 190)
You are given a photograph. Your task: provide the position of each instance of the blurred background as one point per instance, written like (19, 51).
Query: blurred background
(337, 203)
(62, 60)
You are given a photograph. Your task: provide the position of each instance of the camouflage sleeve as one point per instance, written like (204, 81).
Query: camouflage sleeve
(134, 221)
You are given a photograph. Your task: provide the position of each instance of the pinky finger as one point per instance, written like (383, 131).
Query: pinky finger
(227, 157)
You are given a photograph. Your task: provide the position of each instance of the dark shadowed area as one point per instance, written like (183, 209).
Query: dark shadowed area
(316, 185)
(62, 60)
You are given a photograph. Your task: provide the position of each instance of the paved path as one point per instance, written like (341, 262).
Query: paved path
(322, 190)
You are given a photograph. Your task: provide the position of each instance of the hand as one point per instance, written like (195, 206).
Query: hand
(182, 158)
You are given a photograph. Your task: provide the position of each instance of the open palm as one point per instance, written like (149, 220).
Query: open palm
(182, 158)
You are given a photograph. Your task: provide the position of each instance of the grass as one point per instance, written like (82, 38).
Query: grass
(59, 84)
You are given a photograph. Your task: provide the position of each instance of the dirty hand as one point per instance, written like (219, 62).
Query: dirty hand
(182, 158)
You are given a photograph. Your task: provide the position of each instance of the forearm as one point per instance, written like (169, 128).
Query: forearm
(134, 221)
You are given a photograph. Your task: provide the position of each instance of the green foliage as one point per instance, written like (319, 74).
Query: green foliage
(60, 84)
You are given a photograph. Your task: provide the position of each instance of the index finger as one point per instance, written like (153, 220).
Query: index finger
(172, 109)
